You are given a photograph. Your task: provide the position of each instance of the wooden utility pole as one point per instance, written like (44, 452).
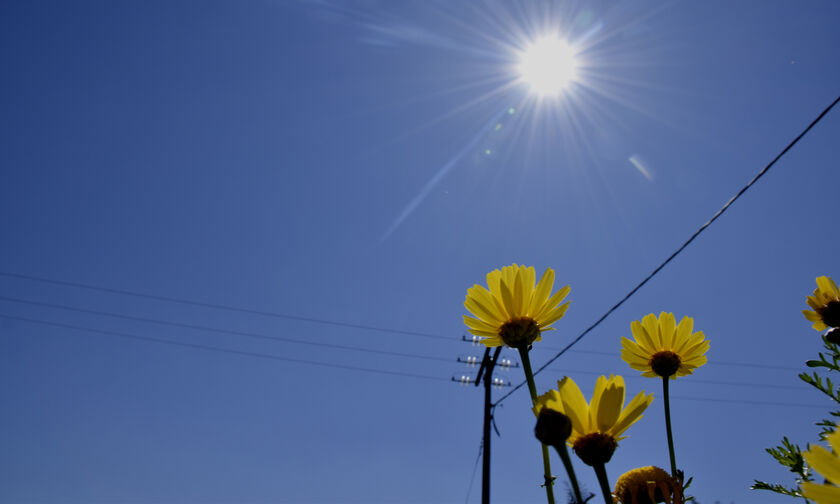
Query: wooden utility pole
(485, 370)
(487, 365)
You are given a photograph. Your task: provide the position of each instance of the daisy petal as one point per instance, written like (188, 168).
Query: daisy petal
(667, 328)
(651, 325)
(643, 338)
(574, 404)
(632, 413)
(554, 315)
(610, 405)
(542, 292)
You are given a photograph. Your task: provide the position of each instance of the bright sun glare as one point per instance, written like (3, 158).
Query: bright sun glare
(548, 66)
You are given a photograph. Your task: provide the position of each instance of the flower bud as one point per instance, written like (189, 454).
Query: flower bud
(832, 336)
(553, 428)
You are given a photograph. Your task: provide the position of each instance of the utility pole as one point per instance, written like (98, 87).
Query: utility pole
(485, 371)
(487, 365)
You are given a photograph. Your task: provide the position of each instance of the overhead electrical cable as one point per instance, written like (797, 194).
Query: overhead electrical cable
(217, 306)
(748, 401)
(697, 380)
(223, 331)
(306, 342)
(713, 363)
(197, 346)
(336, 346)
(475, 467)
(679, 249)
(284, 339)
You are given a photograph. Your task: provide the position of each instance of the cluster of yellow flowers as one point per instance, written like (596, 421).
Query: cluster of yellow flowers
(514, 310)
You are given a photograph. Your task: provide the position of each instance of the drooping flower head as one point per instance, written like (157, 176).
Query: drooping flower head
(825, 303)
(827, 464)
(513, 310)
(597, 426)
(648, 485)
(553, 428)
(660, 347)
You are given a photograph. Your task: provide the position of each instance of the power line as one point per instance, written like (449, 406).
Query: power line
(472, 478)
(714, 363)
(287, 339)
(215, 306)
(697, 380)
(223, 331)
(345, 347)
(681, 247)
(209, 348)
(747, 401)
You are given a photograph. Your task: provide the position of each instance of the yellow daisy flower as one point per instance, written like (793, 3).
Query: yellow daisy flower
(647, 485)
(597, 427)
(825, 303)
(514, 311)
(663, 348)
(827, 464)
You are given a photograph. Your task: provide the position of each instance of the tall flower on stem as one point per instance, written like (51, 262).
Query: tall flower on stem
(514, 310)
(662, 348)
(825, 303)
(553, 429)
(597, 426)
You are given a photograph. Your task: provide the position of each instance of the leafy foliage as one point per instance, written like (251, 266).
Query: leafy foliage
(789, 454)
(831, 363)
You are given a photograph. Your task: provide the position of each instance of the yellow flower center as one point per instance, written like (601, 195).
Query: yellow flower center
(595, 448)
(665, 363)
(648, 485)
(519, 332)
(830, 313)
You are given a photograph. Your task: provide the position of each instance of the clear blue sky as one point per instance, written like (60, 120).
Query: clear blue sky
(329, 160)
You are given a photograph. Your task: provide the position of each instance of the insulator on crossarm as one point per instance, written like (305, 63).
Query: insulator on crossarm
(499, 383)
(506, 364)
(472, 338)
(470, 360)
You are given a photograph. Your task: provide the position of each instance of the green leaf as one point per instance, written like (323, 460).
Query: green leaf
(761, 485)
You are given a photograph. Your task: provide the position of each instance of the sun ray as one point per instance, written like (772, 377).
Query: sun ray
(440, 174)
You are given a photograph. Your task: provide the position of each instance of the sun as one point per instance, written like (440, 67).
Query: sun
(548, 66)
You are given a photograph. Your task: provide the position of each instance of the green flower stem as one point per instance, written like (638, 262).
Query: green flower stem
(532, 388)
(668, 426)
(601, 472)
(549, 479)
(567, 463)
